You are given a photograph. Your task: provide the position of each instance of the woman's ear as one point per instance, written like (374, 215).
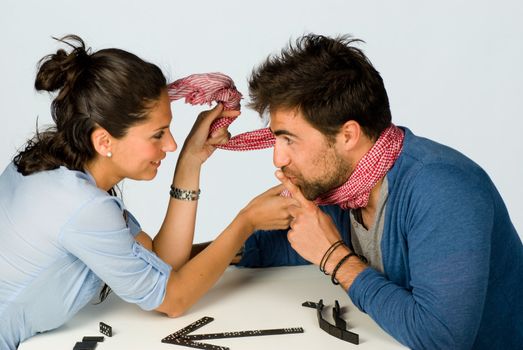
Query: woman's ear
(101, 140)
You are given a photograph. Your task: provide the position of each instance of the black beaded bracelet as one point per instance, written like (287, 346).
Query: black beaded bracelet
(327, 255)
(342, 260)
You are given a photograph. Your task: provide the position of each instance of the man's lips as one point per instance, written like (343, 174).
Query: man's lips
(291, 178)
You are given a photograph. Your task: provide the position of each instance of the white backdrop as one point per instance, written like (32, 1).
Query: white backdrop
(453, 70)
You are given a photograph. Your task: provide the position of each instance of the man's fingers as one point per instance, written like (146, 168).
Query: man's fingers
(294, 210)
(293, 189)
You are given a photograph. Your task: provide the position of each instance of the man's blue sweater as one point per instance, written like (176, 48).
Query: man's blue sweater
(453, 261)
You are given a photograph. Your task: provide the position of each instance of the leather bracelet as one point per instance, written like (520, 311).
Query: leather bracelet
(327, 255)
(184, 195)
(342, 260)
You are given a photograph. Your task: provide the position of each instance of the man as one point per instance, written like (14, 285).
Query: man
(429, 251)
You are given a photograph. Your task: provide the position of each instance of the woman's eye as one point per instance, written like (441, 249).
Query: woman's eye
(159, 135)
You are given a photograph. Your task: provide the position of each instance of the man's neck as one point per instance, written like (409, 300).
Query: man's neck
(369, 212)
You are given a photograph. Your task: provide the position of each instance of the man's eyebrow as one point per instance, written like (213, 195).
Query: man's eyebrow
(282, 132)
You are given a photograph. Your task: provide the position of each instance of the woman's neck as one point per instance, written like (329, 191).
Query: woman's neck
(103, 178)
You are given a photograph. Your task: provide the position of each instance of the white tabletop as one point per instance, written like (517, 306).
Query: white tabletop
(244, 299)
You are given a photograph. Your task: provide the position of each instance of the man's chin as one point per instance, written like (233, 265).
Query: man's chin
(311, 196)
(309, 192)
(313, 193)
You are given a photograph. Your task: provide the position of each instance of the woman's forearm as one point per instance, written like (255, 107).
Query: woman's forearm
(174, 240)
(199, 274)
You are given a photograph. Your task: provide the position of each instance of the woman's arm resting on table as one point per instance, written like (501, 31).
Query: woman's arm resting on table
(188, 284)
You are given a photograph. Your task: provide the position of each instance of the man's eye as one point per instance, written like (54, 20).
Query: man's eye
(287, 140)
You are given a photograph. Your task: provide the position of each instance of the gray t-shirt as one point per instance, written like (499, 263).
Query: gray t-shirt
(368, 242)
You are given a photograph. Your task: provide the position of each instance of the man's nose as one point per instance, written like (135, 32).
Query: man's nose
(280, 158)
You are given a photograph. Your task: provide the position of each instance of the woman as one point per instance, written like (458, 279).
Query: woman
(64, 233)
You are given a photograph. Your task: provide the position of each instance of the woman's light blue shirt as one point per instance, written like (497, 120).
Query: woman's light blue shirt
(61, 238)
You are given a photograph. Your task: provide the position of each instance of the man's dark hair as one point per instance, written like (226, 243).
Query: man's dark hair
(328, 80)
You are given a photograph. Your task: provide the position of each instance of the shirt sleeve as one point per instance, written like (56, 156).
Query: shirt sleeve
(271, 248)
(447, 230)
(132, 223)
(98, 235)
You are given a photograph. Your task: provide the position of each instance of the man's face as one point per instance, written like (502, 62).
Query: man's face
(306, 156)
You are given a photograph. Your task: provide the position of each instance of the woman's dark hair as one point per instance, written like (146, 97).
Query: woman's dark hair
(110, 88)
(328, 80)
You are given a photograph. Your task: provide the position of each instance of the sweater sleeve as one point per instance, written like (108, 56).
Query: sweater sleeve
(271, 248)
(268, 249)
(447, 230)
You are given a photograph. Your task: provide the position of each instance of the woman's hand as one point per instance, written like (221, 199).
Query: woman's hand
(312, 231)
(269, 211)
(198, 145)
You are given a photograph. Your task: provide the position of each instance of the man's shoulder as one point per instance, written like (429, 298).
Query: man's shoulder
(420, 152)
(426, 164)
(423, 149)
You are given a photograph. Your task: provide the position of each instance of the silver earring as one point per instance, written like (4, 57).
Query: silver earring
(109, 154)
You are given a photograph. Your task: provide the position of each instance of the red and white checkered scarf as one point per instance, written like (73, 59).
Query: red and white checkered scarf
(373, 166)
(198, 89)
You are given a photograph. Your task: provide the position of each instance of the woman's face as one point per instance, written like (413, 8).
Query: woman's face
(139, 153)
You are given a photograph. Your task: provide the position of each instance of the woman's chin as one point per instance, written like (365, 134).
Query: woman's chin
(145, 176)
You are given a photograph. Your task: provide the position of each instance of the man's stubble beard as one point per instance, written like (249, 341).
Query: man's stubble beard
(338, 174)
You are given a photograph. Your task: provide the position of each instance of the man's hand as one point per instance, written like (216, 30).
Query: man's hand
(312, 231)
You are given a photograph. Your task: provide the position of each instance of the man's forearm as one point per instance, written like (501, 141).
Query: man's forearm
(348, 270)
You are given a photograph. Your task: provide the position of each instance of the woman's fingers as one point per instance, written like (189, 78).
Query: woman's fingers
(294, 190)
(219, 137)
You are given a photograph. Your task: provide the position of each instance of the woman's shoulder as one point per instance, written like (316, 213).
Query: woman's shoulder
(63, 183)
(41, 204)
(61, 191)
